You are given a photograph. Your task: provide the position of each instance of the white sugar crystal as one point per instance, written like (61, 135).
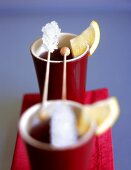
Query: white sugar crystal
(51, 32)
(63, 126)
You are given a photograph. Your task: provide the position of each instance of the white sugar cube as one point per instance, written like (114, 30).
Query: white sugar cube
(63, 126)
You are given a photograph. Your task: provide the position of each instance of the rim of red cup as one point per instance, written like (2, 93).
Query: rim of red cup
(38, 42)
(24, 124)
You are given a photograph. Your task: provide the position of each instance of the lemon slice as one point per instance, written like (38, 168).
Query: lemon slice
(105, 113)
(91, 37)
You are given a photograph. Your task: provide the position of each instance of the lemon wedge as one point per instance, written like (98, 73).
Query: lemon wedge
(104, 113)
(89, 37)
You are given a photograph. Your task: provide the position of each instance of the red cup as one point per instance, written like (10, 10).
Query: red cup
(44, 156)
(76, 71)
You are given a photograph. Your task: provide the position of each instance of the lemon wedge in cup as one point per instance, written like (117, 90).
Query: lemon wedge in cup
(105, 113)
(90, 36)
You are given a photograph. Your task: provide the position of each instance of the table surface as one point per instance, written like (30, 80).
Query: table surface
(108, 67)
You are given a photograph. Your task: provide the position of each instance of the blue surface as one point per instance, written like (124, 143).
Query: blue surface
(108, 67)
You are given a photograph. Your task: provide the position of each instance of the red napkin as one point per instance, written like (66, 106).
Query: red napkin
(102, 158)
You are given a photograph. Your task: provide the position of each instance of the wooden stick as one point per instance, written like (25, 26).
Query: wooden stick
(65, 51)
(64, 79)
(43, 114)
(45, 91)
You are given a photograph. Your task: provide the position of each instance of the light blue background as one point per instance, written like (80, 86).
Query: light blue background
(20, 24)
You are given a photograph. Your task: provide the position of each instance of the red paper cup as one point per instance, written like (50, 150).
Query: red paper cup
(45, 156)
(76, 71)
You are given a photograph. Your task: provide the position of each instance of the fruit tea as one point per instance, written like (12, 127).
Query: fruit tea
(58, 127)
(55, 56)
(41, 132)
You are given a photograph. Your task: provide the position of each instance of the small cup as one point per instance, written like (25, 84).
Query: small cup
(45, 156)
(76, 71)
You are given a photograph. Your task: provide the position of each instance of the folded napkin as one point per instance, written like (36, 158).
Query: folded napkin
(102, 158)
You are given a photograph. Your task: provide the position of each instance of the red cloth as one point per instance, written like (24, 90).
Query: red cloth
(102, 158)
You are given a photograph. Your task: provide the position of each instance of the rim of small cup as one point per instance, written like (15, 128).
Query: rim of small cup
(38, 43)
